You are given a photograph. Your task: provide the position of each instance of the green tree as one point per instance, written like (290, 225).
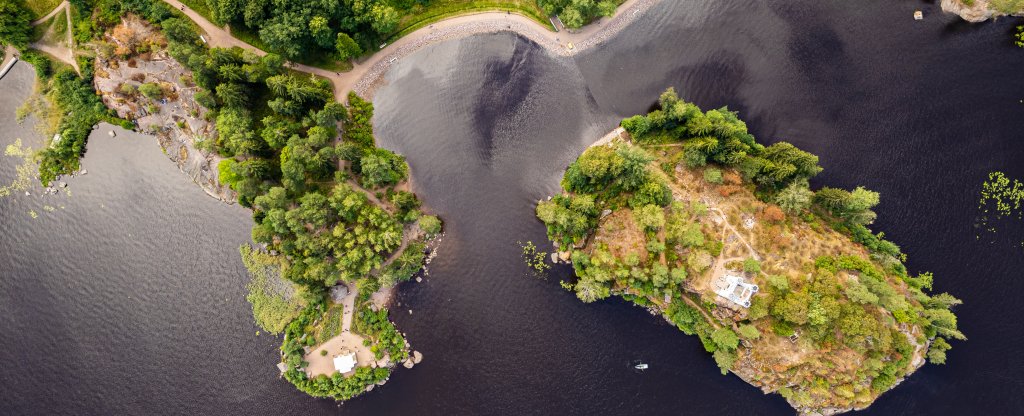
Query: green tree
(151, 91)
(937, 351)
(235, 133)
(751, 265)
(15, 24)
(713, 175)
(795, 197)
(725, 339)
(430, 224)
(650, 217)
(346, 47)
(748, 332)
(382, 167)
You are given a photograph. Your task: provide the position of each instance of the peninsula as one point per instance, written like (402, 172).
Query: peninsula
(685, 214)
(337, 225)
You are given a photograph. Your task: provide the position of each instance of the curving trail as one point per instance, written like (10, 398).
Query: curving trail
(52, 13)
(65, 54)
(366, 73)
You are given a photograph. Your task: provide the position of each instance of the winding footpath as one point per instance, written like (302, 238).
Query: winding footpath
(65, 54)
(366, 74)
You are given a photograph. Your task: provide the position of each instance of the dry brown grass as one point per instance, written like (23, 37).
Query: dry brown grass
(620, 232)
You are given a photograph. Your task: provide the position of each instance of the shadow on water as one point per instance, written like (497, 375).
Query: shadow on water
(131, 301)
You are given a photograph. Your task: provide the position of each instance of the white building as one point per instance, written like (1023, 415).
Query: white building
(344, 363)
(736, 289)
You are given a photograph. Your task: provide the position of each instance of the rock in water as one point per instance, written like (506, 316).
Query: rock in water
(417, 357)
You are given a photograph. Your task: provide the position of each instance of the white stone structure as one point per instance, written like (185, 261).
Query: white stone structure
(736, 289)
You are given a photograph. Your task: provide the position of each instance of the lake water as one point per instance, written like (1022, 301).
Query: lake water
(130, 299)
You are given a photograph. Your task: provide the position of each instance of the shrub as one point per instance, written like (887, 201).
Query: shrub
(151, 91)
(430, 224)
(713, 175)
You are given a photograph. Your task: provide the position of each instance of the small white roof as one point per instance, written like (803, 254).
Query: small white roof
(345, 363)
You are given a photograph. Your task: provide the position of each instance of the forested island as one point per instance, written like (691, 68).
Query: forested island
(786, 287)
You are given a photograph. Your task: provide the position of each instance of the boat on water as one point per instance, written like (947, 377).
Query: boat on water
(638, 366)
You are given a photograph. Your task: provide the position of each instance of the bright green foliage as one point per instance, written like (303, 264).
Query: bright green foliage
(854, 207)
(430, 224)
(151, 91)
(748, 332)
(751, 266)
(82, 109)
(576, 13)
(303, 30)
(347, 48)
(937, 351)
(359, 127)
(725, 339)
(404, 267)
(650, 217)
(725, 359)
(275, 302)
(1018, 38)
(719, 136)
(611, 169)
(713, 175)
(15, 20)
(382, 167)
(794, 198)
(569, 218)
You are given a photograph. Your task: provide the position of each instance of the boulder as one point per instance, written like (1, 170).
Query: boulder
(417, 357)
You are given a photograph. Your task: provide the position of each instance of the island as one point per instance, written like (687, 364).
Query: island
(683, 212)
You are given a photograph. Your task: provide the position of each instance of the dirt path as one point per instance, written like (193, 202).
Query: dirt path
(346, 340)
(367, 71)
(52, 13)
(65, 54)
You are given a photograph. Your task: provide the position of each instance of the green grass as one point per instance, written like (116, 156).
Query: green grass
(1007, 6)
(423, 16)
(38, 31)
(330, 326)
(40, 8)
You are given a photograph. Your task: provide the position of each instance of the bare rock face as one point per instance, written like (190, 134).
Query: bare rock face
(978, 12)
(176, 119)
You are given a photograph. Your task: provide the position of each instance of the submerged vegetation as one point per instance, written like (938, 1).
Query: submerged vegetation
(785, 286)
(1001, 198)
(275, 301)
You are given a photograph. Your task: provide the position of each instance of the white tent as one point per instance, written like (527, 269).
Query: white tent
(345, 363)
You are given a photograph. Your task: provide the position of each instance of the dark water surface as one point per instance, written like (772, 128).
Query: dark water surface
(131, 300)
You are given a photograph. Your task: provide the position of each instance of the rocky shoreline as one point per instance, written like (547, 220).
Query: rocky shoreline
(177, 120)
(977, 11)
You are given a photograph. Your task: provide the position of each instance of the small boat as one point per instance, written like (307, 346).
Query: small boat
(641, 366)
